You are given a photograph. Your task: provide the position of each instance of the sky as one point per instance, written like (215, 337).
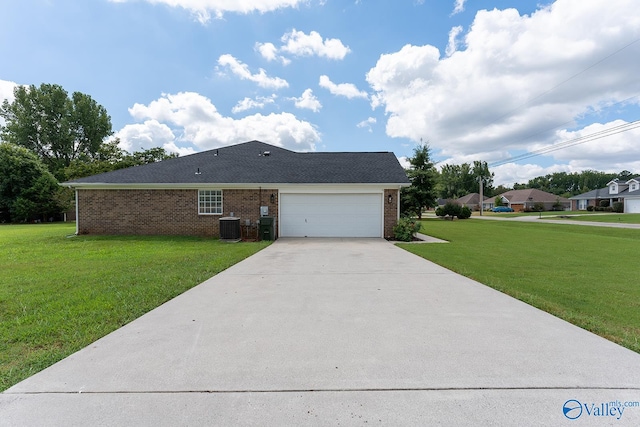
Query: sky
(490, 80)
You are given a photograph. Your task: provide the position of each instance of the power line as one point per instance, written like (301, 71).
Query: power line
(572, 142)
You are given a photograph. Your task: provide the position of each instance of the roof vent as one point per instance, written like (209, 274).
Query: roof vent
(216, 153)
(266, 153)
(198, 172)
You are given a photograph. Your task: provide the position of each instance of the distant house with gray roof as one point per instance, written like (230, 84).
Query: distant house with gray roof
(627, 192)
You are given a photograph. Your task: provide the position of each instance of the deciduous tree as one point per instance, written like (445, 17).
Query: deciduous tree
(27, 189)
(57, 128)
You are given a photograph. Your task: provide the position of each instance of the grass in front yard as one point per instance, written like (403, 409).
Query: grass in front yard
(545, 214)
(585, 275)
(59, 293)
(618, 218)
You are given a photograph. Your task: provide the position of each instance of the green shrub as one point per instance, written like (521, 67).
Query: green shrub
(450, 209)
(465, 213)
(439, 211)
(405, 229)
(618, 207)
(604, 203)
(589, 208)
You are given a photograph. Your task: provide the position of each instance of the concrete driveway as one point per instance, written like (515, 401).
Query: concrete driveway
(336, 332)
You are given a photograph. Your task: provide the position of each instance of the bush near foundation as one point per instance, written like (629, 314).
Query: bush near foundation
(405, 229)
(618, 207)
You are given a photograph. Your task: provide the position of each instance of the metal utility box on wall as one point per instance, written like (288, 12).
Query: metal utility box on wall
(264, 211)
(230, 228)
(267, 228)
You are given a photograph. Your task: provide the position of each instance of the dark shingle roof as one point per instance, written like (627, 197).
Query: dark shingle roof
(248, 163)
(593, 194)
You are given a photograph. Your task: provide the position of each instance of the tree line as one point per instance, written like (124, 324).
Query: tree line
(454, 181)
(49, 137)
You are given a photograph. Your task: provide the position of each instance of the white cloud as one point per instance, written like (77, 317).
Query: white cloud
(297, 43)
(511, 173)
(300, 44)
(348, 90)
(6, 93)
(367, 123)
(142, 136)
(308, 101)
(599, 154)
(270, 52)
(452, 46)
(202, 9)
(404, 162)
(198, 123)
(242, 70)
(258, 102)
(491, 96)
(6, 90)
(458, 6)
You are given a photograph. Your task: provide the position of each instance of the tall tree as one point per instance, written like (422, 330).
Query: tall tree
(423, 176)
(27, 189)
(58, 128)
(111, 157)
(480, 170)
(458, 180)
(450, 183)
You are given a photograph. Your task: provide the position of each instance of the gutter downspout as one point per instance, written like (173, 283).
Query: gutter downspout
(77, 218)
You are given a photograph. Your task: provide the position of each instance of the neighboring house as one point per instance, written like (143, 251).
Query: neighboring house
(627, 192)
(308, 194)
(472, 201)
(441, 202)
(522, 200)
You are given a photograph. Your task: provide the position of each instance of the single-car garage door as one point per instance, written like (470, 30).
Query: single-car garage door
(330, 215)
(632, 206)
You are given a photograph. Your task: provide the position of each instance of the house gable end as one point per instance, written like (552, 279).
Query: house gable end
(634, 185)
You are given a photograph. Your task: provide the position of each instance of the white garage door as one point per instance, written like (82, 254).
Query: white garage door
(330, 215)
(632, 206)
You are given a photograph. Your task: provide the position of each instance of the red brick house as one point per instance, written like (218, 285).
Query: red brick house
(308, 194)
(523, 200)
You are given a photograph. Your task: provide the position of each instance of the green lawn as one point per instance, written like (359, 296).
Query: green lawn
(585, 275)
(59, 293)
(627, 218)
(545, 214)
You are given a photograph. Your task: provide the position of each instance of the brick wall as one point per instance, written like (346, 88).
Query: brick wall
(390, 211)
(164, 212)
(175, 212)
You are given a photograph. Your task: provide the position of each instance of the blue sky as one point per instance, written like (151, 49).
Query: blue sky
(478, 80)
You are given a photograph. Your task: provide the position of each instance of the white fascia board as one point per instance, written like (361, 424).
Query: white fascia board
(284, 187)
(336, 188)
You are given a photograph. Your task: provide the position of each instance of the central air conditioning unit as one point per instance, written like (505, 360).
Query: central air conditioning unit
(230, 229)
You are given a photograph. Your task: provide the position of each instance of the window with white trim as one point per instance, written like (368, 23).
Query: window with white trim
(210, 202)
(582, 204)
